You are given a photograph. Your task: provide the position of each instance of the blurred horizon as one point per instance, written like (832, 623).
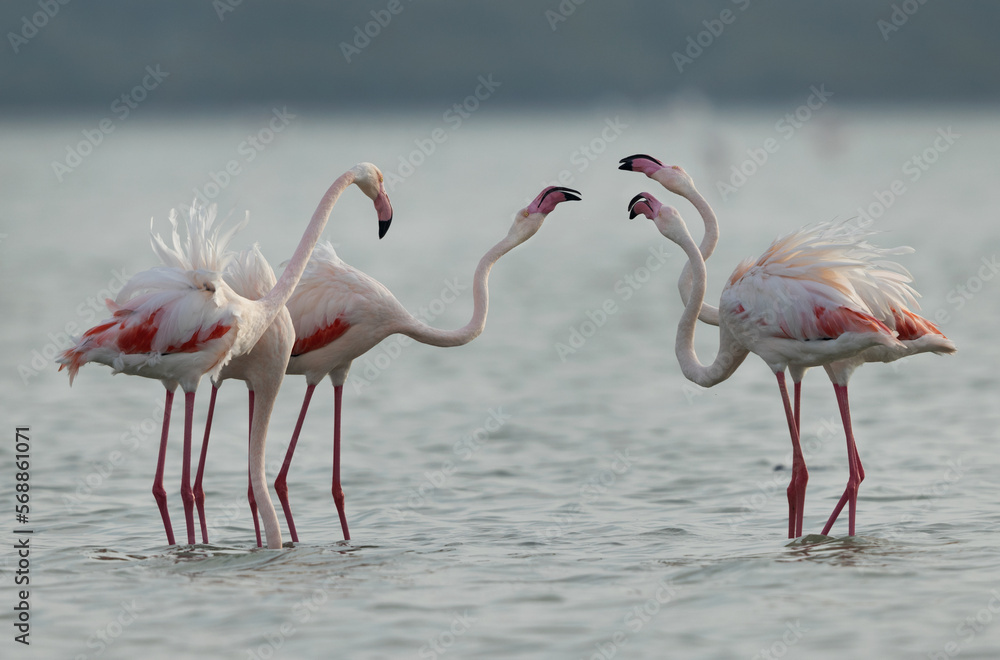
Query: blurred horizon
(392, 55)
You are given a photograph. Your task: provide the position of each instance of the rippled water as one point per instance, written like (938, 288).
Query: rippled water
(513, 497)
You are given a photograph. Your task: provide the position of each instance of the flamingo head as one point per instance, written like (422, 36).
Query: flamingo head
(369, 178)
(550, 197)
(666, 218)
(529, 219)
(671, 177)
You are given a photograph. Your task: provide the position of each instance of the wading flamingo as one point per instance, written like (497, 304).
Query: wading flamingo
(799, 306)
(177, 325)
(339, 313)
(916, 334)
(251, 276)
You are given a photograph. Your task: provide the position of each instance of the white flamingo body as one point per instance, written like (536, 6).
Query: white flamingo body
(173, 326)
(814, 298)
(882, 286)
(798, 305)
(339, 313)
(166, 311)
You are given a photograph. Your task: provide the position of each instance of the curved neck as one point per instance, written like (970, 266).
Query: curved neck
(262, 404)
(282, 291)
(481, 302)
(730, 354)
(708, 314)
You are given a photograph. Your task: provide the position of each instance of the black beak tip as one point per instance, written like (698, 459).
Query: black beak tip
(383, 227)
(572, 197)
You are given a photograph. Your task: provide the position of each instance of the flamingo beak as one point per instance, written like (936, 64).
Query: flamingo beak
(630, 164)
(551, 196)
(643, 204)
(384, 209)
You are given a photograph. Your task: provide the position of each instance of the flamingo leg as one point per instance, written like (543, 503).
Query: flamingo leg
(199, 491)
(800, 475)
(856, 472)
(250, 497)
(187, 495)
(798, 405)
(280, 482)
(159, 492)
(338, 492)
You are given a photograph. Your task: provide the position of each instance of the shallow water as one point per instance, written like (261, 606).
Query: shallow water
(555, 489)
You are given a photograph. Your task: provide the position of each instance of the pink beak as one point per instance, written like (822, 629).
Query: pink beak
(641, 163)
(383, 207)
(644, 204)
(550, 197)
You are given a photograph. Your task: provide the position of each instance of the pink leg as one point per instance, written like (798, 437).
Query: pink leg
(250, 497)
(856, 472)
(798, 406)
(199, 492)
(187, 495)
(280, 482)
(800, 475)
(159, 492)
(338, 492)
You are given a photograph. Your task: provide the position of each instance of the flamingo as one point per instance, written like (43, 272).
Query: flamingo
(177, 325)
(916, 334)
(251, 276)
(817, 297)
(339, 313)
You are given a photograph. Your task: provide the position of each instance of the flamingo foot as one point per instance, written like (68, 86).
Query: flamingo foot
(338, 499)
(797, 500)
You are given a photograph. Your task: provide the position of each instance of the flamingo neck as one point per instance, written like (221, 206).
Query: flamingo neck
(481, 302)
(282, 291)
(730, 354)
(708, 314)
(264, 395)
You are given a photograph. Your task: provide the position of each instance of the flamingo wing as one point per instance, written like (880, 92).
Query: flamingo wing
(161, 312)
(332, 297)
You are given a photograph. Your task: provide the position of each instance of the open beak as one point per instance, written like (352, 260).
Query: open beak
(628, 163)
